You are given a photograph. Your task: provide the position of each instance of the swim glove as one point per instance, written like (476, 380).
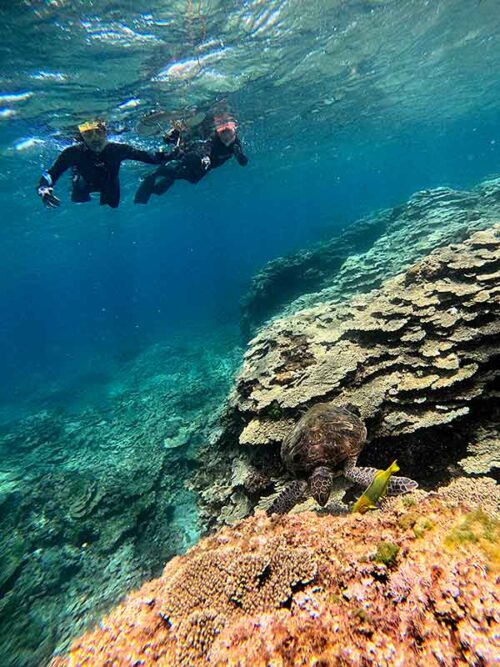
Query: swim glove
(48, 197)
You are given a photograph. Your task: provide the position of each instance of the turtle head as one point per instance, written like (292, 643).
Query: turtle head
(321, 484)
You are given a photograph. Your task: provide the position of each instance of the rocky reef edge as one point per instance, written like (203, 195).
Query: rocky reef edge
(414, 584)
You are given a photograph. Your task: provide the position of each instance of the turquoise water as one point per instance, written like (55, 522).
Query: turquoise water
(343, 107)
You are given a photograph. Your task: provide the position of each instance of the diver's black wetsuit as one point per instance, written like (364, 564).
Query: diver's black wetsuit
(189, 166)
(96, 172)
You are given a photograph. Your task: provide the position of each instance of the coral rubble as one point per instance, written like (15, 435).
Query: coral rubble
(415, 584)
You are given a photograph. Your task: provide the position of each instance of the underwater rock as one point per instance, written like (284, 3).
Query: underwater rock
(416, 582)
(418, 358)
(369, 251)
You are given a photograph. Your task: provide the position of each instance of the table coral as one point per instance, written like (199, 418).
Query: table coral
(418, 357)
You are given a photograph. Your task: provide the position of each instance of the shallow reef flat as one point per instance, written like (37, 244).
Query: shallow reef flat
(93, 502)
(418, 357)
(415, 584)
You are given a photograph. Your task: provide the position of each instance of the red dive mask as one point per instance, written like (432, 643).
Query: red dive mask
(227, 132)
(229, 125)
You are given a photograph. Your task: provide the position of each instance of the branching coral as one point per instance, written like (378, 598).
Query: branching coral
(262, 577)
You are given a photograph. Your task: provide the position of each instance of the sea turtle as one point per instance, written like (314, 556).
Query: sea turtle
(326, 438)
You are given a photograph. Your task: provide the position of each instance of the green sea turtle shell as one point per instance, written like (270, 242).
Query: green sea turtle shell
(324, 436)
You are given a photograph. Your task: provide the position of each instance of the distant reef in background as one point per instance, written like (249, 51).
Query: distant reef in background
(368, 252)
(406, 330)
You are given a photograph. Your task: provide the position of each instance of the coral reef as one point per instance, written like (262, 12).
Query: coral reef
(418, 358)
(368, 252)
(93, 502)
(321, 590)
(426, 339)
(286, 278)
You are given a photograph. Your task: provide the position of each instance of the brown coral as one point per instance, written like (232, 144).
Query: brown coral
(312, 590)
(262, 577)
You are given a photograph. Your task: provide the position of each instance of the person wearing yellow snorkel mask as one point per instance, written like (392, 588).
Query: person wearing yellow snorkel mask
(95, 162)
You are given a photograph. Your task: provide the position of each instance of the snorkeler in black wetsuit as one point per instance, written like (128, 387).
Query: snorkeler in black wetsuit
(96, 164)
(191, 161)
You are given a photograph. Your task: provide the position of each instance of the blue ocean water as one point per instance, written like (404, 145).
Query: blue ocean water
(344, 107)
(398, 96)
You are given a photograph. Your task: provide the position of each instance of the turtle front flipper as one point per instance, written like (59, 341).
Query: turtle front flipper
(321, 484)
(291, 495)
(399, 485)
(364, 476)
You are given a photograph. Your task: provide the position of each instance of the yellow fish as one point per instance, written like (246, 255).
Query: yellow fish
(376, 490)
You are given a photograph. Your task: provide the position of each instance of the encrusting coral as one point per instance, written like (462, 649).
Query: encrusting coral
(415, 584)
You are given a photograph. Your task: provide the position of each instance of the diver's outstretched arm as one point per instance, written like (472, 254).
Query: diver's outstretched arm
(127, 152)
(49, 178)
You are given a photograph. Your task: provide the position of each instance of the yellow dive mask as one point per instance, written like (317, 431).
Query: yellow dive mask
(92, 126)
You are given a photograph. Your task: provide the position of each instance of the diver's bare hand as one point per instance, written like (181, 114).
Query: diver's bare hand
(48, 197)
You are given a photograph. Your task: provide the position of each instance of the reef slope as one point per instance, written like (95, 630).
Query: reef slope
(369, 251)
(92, 501)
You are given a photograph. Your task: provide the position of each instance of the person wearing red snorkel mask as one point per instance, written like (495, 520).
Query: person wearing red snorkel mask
(191, 160)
